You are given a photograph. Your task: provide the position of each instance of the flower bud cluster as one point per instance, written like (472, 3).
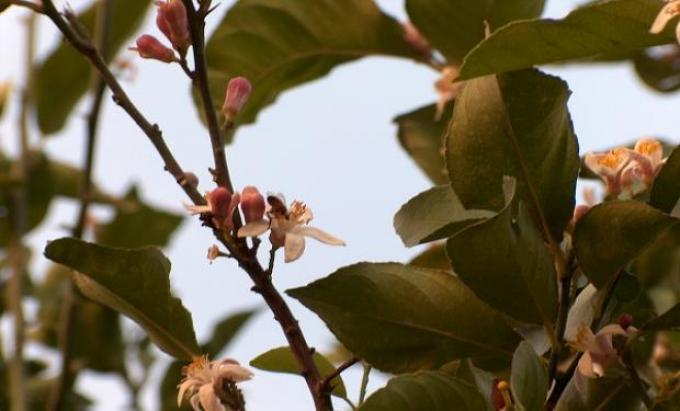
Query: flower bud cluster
(171, 19)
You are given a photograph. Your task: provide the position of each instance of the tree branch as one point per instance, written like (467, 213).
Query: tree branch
(562, 314)
(326, 382)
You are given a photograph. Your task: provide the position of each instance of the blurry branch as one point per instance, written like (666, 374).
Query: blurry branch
(28, 4)
(67, 373)
(637, 383)
(562, 314)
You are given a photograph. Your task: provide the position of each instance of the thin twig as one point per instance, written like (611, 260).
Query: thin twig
(326, 382)
(272, 258)
(627, 359)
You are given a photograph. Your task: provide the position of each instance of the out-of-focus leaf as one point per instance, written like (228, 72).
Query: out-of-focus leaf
(404, 318)
(478, 378)
(608, 393)
(509, 252)
(612, 234)
(97, 341)
(421, 136)
(666, 321)
(666, 189)
(529, 381)
(138, 225)
(67, 180)
(434, 257)
(425, 391)
(659, 68)
(434, 214)
(280, 44)
(64, 76)
(596, 30)
(456, 26)
(134, 282)
(38, 393)
(657, 265)
(281, 359)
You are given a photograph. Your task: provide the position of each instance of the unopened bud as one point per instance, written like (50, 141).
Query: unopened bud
(191, 179)
(625, 320)
(172, 21)
(415, 39)
(150, 47)
(238, 91)
(219, 202)
(252, 204)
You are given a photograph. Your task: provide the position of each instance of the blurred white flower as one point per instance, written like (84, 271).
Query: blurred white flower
(667, 13)
(203, 377)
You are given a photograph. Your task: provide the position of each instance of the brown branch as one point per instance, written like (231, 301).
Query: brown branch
(562, 314)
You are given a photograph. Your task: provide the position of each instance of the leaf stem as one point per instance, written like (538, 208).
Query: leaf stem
(364, 383)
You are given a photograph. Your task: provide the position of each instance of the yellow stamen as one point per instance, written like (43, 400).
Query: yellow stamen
(297, 209)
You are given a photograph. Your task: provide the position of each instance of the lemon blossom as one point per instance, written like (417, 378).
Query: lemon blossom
(221, 205)
(667, 13)
(646, 161)
(598, 350)
(609, 166)
(289, 227)
(203, 377)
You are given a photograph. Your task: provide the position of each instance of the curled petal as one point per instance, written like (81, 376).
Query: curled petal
(234, 372)
(318, 234)
(667, 13)
(209, 400)
(586, 366)
(183, 387)
(194, 209)
(294, 247)
(253, 229)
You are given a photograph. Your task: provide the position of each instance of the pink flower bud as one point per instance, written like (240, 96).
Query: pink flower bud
(625, 321)
(415, 39)
(149, 47)
(172, 21)
(238, 91)
(252, 204)
(220, 198)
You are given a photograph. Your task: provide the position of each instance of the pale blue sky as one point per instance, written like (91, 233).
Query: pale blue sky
(330, 143)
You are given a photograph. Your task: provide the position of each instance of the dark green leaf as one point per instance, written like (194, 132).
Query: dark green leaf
(280, 44)
(658, 68)
(135, 283)
(588, 394)
(456, 26)
(480, 379)
(612, 234)
(657, 265)
(425, 391)
(403, 318)
(282, 360)
(433, 257)
(434, 214)
(597, 30)
(529, 381)
(138, 225)
(64, 77)
(627, 287)
(666, 189)
(421, 135)
(515, 125)
(168, 388)
(666, 321)
(67, 181)
(507, 251)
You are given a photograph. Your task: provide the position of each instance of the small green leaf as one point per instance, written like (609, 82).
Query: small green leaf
(434, 214)
(507, 251)
(134, 282)
(456, 26)
(425, 391)
(666, 189)
(65, 76)
(666, 321)
(280, 44)
(281, 359)
(529, 380)
(612, 234)
(607, 393)
(597, 30)
(402, 318)
(515, 125)
(421, 135)
(138, 225)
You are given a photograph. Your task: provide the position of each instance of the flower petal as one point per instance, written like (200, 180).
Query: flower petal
(209, 400)
(234, 372)
(200, 209)
(318, 235)
(183, 387)
(294, 247)
(253, 229)
(667, 13)
(585, 366)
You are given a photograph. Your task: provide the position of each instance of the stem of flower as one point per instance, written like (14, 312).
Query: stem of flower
(364, 383)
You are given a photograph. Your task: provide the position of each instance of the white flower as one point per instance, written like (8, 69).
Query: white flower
(609, 166)
(289, 227)
(646, 161)
(598, 351)
(203, 376)
(667, 13)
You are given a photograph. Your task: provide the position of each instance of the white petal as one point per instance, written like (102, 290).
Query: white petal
(234, 372)
(611, 329)
(183, 387)
(194, 209)
(666, 14)
(585, 366)
(317, 234)
(253, 229)
(209, 400)
(294, 247)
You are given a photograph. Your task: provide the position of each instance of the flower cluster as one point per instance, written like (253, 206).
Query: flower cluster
(172, 21)
(212, 384)
(667, 13)
(628, 172)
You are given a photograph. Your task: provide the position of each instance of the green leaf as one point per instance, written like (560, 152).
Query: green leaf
(138, 225)
(515, 125)
(588, 394)
(529, 380)
(280, 44)
(483, 381)
(425, 391)
(666, 321)
(64, 76)
(666, 189)
(402, 318)
(67, 180)
(594, 31)
(658, 71)
(507, 251)
(434, 214)
(134, 282)
(455, 26)
(433, 257)
(282, 360)
(612, 234)
(421, 135)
